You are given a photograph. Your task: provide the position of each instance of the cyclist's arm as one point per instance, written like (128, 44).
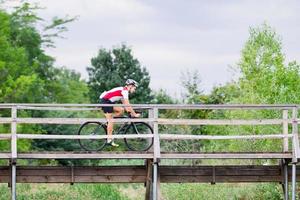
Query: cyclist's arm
(129, 109)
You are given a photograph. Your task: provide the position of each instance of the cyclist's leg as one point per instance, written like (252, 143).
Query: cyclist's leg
(118, 111)
(108, 112)
(110, 125)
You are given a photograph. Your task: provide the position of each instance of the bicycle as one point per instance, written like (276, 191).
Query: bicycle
(98, 128)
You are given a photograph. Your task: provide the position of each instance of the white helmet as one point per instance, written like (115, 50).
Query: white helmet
(131, 82)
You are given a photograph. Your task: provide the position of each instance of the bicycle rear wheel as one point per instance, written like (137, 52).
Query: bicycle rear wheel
(139, 144)
(92, 128)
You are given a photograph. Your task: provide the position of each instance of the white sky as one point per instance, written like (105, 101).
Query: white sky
(171, 36)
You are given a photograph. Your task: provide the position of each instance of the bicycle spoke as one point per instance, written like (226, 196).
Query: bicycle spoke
(92, 128)
(139, 144)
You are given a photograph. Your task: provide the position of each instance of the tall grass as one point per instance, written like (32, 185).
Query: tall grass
(63, 192)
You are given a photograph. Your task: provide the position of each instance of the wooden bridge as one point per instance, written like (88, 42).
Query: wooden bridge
(152, 172)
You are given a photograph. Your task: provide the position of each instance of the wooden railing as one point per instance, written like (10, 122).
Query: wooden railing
(155, 120)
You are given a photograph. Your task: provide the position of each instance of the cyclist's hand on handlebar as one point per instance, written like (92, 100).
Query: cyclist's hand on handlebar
(136, 115)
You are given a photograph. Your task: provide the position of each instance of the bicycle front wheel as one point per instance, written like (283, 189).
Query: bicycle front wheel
(139, 144)
(92, 128)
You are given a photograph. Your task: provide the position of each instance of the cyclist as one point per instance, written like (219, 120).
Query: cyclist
(112, 96)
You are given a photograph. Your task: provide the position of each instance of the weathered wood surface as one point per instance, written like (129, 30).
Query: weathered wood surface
(164, 106)
(149, 155)
(138, 174)
(162, 136)
(76, 137)
(86, 155)
(285, 130)
(221, 137)
(76, 120)
(221, 122)
(226, 155)
(161, 121)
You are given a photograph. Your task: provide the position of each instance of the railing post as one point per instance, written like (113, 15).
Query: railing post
(285, 179)
(285, 130)
(149, 164)
(13, 151)
(156, 158)
(295, 150)
(151, 115)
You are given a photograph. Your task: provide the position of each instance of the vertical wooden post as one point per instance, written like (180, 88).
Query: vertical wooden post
(285, 144)
(285, 179)
(156, 158)
(294, 181)
(295, 150)
(285, 130)
(151, 116)
(148, 195)
(295, 135)
(13, 151)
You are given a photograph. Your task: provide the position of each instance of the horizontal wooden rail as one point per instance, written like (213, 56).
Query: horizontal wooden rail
(161, 121)
(149, 155)
(5, 136)
(138, 174)
(223, 137)
(164, 106)
(222, 122)
(162, 136)
(86, 155)
(76, 137)
(226, 155)
(69, 120)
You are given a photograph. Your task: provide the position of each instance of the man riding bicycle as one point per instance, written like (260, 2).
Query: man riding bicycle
(111, 97)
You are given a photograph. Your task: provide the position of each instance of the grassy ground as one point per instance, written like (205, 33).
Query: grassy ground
(137, 192)
(221, 191)
(63, 192)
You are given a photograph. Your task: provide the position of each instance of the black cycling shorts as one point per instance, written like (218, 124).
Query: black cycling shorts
(107, 109)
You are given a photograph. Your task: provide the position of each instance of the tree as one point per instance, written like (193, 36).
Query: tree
(110, 68)
(223, 94)
(264, 79)
(28, 75)
(264, 76)
(161, 97)
(191, 83)
(25, 70)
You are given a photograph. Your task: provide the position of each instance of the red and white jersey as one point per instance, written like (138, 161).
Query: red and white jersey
(115, 94)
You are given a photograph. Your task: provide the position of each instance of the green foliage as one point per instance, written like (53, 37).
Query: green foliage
(161, 97)
(222, 191)
(223, 94)
(264, 76)
(191, 82)
(67, 87)
(27, 74)
(111, 68)
(63, 192)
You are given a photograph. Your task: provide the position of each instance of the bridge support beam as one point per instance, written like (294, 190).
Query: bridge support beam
(148, 184)
(285, 178)
(152, 181)
(294, 181)
(13, 169)
(156, 182)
